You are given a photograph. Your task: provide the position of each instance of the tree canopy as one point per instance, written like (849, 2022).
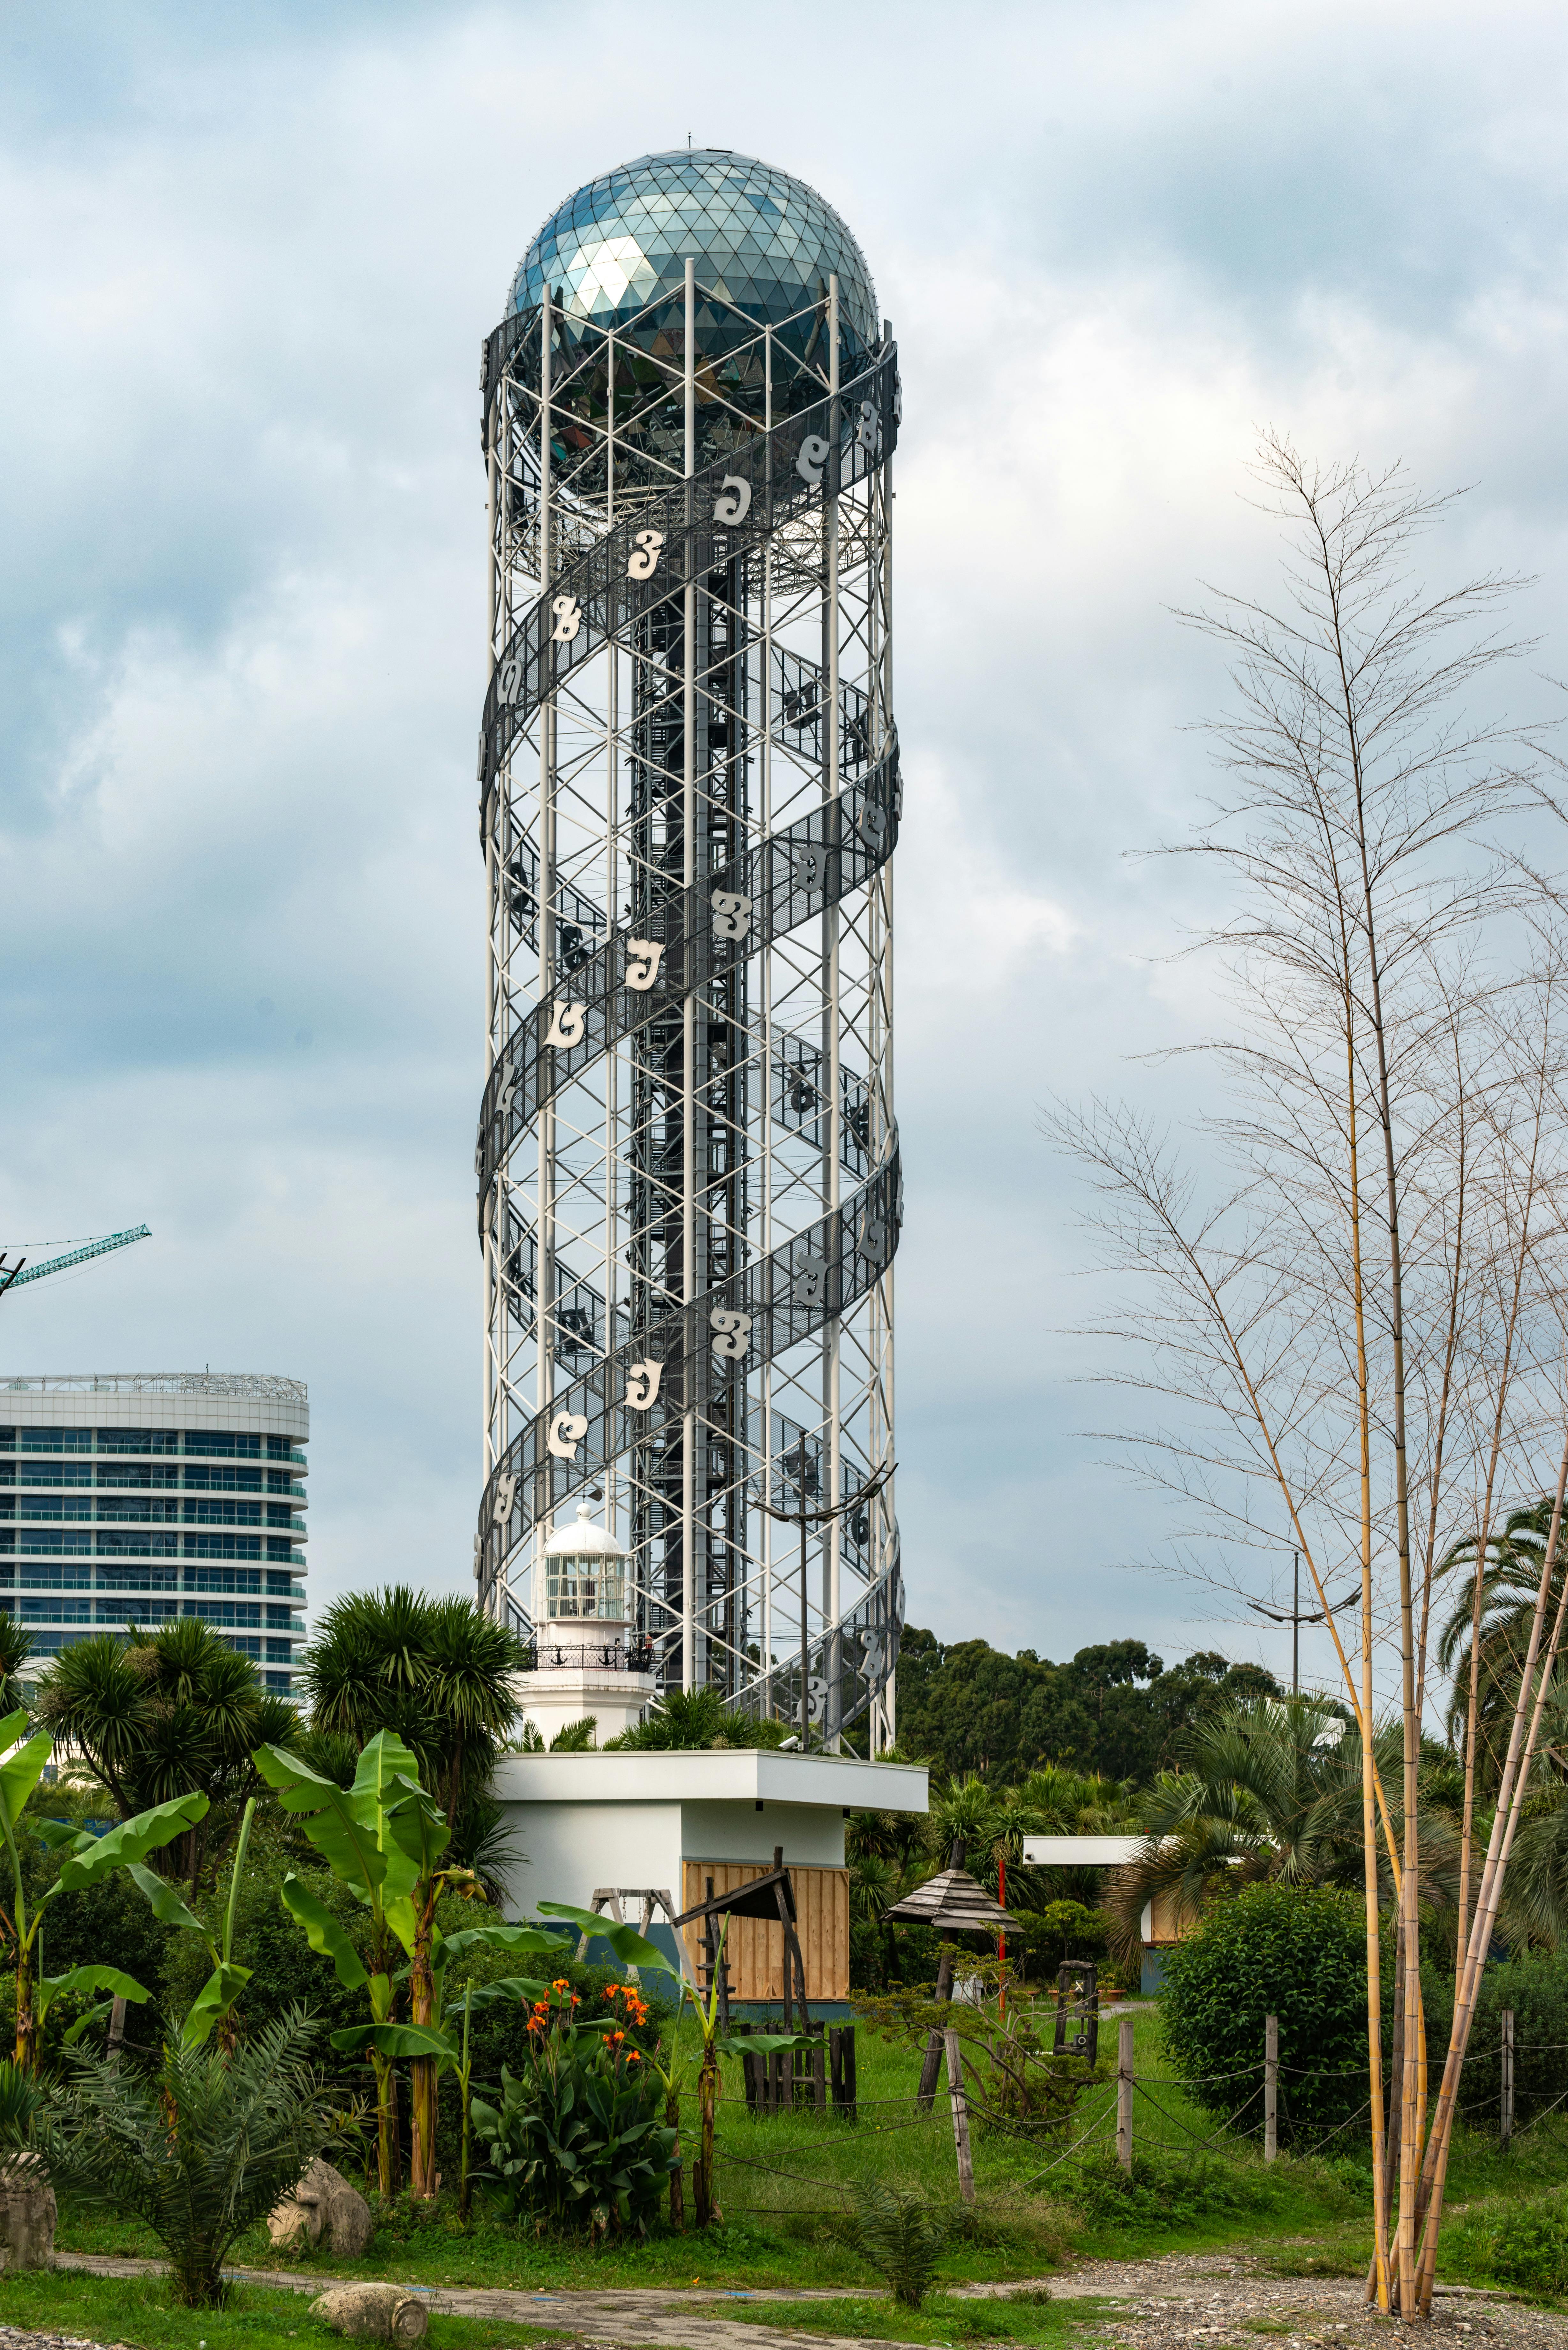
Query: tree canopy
(1113, 1709)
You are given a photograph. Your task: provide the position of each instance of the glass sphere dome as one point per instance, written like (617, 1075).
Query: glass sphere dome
(762, 241)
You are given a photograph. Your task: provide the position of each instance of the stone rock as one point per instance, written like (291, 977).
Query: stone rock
(27, 2214)
(323, 2209)
(372, 2313)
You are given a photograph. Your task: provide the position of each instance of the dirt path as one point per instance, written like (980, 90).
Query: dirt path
(1174, 2303)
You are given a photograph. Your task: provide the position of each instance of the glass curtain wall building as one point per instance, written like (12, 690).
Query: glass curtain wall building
(140, 1497)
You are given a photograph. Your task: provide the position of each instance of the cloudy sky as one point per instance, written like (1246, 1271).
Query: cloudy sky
(250, 255)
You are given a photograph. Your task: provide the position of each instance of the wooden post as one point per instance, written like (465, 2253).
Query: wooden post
(1507, 2131)
(1271, 2087)
(1124, 2092)
(850, 2082)
(960, 2115)
(819, 2077)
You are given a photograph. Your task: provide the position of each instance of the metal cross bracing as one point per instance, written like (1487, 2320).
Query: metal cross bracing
(689, 1177)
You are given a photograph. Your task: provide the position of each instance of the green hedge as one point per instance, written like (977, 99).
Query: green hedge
(1273, 1949)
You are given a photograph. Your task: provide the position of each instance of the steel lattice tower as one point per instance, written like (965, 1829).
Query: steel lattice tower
(689, 1175)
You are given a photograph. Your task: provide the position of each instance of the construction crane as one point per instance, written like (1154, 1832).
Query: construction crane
(12, 1276)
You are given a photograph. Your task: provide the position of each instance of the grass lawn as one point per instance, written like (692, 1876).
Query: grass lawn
(140, 2312)
(940, 2320)
(782, 2182)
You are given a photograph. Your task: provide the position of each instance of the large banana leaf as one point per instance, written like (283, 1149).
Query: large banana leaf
(501, 1937)
(386, 1780)
(132, 1840)
(213, 2002)
(53, 1834)
(167, 1906)
(767, 2044)
(344, 1827)
(393, 2039)
(518, 1987)
(626, 1943)
(22, 1772)
(113, 1980)
(323, 1933)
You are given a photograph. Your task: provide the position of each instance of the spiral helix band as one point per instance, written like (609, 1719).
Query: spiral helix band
(689, 1185)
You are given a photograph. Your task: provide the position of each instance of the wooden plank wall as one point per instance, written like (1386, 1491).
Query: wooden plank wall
(755, 1949)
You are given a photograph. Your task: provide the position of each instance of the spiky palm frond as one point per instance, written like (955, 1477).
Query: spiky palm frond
(1270, 1790)
(1510, 1583)
(198, 2148)
(901, 2236)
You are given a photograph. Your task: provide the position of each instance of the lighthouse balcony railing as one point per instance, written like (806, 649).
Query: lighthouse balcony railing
(633, 1656)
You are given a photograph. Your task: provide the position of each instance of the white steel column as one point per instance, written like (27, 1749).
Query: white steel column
(689, 1013)
(831, 1549)
(544, 1249)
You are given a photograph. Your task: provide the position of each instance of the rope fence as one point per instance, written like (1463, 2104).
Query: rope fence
(972, 2094)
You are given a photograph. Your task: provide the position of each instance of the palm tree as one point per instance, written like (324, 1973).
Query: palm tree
(1509, 1581)
(157, 1714)
(1267, 1790)
(700, 1716)
(436, 1673)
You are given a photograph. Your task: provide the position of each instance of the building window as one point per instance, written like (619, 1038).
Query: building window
(222, 1546)
(216, 1444)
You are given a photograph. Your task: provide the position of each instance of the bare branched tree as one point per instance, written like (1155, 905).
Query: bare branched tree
(1354, 1330)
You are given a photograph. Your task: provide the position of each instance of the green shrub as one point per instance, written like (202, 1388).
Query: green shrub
(1536, 1989)
(1296, 1952)
(1523, 2244)
(579, 2139)
(1163, 2190)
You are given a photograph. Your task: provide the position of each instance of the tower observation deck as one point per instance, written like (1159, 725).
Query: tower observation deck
(689, 1175)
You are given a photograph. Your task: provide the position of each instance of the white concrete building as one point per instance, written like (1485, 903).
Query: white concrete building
(670, 1821)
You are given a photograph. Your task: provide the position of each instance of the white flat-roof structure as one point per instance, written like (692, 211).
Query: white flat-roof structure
(669, 1821)
(1082, 1851)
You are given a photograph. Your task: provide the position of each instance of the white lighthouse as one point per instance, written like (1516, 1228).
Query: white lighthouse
(586, 1659)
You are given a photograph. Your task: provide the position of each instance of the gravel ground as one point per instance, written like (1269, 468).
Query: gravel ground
(1217, 2300)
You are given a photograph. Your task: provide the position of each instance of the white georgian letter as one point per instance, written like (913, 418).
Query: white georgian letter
(643, 957)
(567, 1430)
(565, 1027)
(734, 1332)
(645, 562)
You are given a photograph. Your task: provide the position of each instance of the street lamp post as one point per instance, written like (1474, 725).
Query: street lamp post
(1296, 1618)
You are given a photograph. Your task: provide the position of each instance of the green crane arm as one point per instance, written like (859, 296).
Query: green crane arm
(79, 1256)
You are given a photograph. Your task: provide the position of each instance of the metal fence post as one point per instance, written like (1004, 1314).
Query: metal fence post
(960, 2115)
(1506, 2132)
(1271, 2087)
(1124, 2092)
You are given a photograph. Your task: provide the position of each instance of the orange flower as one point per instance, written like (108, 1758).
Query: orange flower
(618, 2035)
(633, 2056)
(562, 1985)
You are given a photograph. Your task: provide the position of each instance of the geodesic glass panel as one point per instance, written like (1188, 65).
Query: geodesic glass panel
(762, 241)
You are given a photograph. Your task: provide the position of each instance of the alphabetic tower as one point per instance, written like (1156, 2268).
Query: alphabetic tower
(689, 1177)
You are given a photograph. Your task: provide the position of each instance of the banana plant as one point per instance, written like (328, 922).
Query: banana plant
(215, 2003)
(88, 1859)
(384, 1839)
